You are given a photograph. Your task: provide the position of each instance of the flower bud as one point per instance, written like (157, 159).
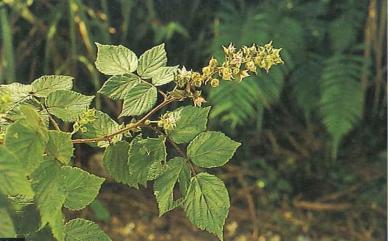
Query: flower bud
(251, 66)
(226, 73)
(213, 63)
(197, 82)
(206, 70)
(214, 83)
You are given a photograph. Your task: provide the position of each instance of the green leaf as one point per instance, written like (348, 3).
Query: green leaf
(84, 230)
(7, 227)
(115, 60)
(211, 149)
(342, 97)
(139, 100)
(46, 84)
(57, 225)
(177, 170)
(118, 86)
(152, 60)
(67, 105)
(24, 214)
(207, 203)
(164, 75)
(49, 195)
(12, 94)
(115, 161)
(27, 141)
(13, 177)
(81, 187)
(45, 234)
(190, 121)
(60, 146)
(101, 126)
(145, 155)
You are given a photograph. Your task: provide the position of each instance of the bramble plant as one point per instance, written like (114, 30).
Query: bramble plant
(36, 173)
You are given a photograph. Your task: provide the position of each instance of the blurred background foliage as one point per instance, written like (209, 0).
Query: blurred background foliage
(313, 162)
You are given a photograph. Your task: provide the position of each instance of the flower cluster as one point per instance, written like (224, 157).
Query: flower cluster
(85, 118)
(167, 121)
(237, 65)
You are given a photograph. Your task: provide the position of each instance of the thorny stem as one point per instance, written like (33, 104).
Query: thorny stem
(130, 126)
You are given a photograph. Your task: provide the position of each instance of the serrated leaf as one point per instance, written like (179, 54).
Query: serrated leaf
(13, 177)
(190, 121)
(118, 86)
(84, 230)
(13, 93)
(101, 126)
(211, 149)
(27, 141)
(81, 187)
(115, 161)
(152, 60)
(115, 60)
(144, 156)
(46, 84)
(16, 112)
(177, 170)
(139, 100)
(67, 105)
(155, 170)
(164, 75)
(207, 203)
(60, 146)
(49, 195)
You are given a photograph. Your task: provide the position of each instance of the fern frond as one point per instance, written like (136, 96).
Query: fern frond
(236, 103)
(305, 81)
(344, 30)
(341, 103)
